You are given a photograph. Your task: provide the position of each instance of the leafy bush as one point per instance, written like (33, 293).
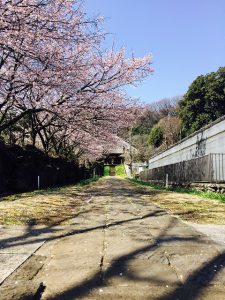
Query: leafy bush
(120, 171)
(106, 170)
(156, 136)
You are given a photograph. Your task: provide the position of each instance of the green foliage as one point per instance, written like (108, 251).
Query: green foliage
(144, 151)
(106, 171)
(145, 123)
(156, 136)
(204, 101)
(120, 171)
(207, 195)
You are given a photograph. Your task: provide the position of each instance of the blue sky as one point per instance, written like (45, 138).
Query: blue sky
(185, 37)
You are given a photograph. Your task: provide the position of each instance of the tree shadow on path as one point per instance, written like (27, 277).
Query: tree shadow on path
(188, 290)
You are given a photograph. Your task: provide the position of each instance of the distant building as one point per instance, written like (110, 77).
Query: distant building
(116, 156)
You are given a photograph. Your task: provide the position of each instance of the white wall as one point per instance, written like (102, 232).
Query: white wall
(211, 139)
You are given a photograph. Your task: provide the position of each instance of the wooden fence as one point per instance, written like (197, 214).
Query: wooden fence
(208, 168)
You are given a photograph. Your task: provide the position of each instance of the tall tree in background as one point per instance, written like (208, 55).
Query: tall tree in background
(166, 107)
(204, 101)
(171, 127)
(167, 130)
(156, 136)
(157, 128)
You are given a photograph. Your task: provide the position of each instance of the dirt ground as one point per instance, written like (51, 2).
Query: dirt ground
(57, 206)
(188, 207)
(45, 207)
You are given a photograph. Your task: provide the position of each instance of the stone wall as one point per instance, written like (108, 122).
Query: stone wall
(208, 187)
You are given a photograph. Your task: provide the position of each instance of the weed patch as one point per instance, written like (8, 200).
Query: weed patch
(188, 205)
(207, 195)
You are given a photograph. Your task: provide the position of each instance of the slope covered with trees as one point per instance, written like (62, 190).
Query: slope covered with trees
(157, 128)
(167, 121)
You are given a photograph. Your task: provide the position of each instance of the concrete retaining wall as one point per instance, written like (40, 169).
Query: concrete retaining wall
(200, 157)
(210, 139)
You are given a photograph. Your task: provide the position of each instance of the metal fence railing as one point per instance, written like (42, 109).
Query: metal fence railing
(217, 167)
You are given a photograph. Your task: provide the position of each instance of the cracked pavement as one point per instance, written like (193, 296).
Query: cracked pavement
(122, 247)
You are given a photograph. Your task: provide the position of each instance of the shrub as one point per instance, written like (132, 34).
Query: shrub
(106, 171)
(156, 136)
(120, 171)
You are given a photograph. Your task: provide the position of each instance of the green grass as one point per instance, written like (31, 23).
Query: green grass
(207, 195)
(106, 171)
(120, 171)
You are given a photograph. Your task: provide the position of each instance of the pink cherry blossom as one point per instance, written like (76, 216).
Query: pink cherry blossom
(54, 75)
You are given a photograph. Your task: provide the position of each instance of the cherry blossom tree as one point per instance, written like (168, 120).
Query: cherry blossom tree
(55, 76)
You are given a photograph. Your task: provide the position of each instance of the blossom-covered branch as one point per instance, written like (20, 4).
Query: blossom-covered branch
(54, 75)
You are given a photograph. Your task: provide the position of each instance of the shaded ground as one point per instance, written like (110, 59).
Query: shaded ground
(120, 247)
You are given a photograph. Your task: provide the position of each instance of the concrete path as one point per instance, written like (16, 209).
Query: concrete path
(215, 232)
(18, 243)
(122, 248)
(16, 246)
